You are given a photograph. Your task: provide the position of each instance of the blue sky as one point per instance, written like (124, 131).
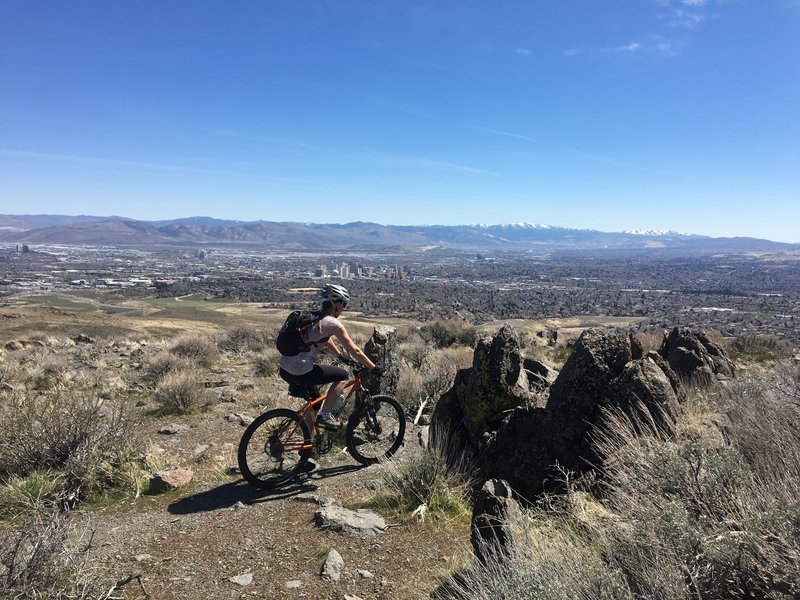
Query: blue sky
(619, 114)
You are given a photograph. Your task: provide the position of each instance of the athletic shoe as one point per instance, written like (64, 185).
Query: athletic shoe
(328, 421)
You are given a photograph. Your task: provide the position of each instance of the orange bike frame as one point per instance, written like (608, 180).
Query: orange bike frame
(354, 385)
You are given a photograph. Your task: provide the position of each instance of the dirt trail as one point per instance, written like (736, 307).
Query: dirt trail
(189, 543)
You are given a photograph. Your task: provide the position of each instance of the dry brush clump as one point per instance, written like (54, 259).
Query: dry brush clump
(199, 348)
(439, 479)
(708, 513)
(45, 557)
(244, 339)
(425, 376)
(759, 347)
(84, 444)
(446, 333)
(266, 363)
(182, 392)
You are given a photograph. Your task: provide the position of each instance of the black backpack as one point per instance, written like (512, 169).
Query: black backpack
(290, 337)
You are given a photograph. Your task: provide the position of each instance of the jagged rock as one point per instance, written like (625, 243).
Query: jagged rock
(13, 346)
(361, 521)
(313, 499)
(644, 384)
(381, 349)
(696, 357)
(332, 567)
(82, 338)
(364, 574)
(164, 481)
(493, 514)
(540, 375)
(534, 446)
(496, 382)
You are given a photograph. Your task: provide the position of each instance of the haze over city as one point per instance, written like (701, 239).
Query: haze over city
(667, 114)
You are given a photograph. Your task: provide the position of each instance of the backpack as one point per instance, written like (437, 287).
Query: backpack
(290, 337)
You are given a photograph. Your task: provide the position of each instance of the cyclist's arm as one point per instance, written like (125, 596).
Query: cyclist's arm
(352, 349)
(332, 348)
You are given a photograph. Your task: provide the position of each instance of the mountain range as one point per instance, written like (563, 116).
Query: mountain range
(358, 236)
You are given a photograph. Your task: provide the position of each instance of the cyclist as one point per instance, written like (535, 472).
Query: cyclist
(303, 369)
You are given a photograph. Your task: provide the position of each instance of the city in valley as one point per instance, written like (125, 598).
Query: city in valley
(732, 294)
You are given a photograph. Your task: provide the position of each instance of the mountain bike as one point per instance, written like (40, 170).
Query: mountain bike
(275, 446)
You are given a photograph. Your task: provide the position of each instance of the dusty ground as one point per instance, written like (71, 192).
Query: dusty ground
(189, 543)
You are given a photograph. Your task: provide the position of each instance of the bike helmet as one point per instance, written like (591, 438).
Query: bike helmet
(335, 293)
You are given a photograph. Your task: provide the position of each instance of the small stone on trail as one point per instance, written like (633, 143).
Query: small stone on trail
(333, 565)
(164, 481)
(351, 597)
(364, 574)
(238, 505)
(293, 584)
(172, 429)
(243, 580)
(142, 558)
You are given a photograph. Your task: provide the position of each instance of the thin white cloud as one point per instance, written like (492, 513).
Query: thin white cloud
(523, 51)
(632, 47)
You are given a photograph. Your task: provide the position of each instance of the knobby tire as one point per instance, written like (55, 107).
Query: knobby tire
(268, 456)
(368, 445)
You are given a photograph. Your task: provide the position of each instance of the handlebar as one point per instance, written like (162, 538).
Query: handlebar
(358, 369)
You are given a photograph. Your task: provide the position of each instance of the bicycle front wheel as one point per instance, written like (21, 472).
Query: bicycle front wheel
(269, 451)
(375, 429)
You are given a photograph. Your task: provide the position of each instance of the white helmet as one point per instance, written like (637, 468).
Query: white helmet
(331, 291)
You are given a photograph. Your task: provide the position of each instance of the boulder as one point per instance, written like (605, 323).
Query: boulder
(381, 349)
(540, 375)
(493, 516)
(695, 357)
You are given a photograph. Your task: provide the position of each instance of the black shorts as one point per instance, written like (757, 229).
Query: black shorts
(317, 376)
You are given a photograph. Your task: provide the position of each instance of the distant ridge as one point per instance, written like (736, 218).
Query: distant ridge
(359, 236)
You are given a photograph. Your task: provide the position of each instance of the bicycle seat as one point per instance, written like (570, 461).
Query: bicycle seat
(307, 392)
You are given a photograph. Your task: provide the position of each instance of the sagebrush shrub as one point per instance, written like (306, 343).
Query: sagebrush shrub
(88, 444)
(266, 363)
(199, 348)
(243, 339)
(164, 363)
(759, 347)
(41, 559)
(440, 478)
(181, 393)
(445, 333)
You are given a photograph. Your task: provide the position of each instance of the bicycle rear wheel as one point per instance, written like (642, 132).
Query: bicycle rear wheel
(269, 451)
(375, 429)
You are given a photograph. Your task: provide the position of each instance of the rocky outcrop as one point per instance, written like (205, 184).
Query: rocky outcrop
(382, 350)
(532, 446)
(695, 357)
(496, 383)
